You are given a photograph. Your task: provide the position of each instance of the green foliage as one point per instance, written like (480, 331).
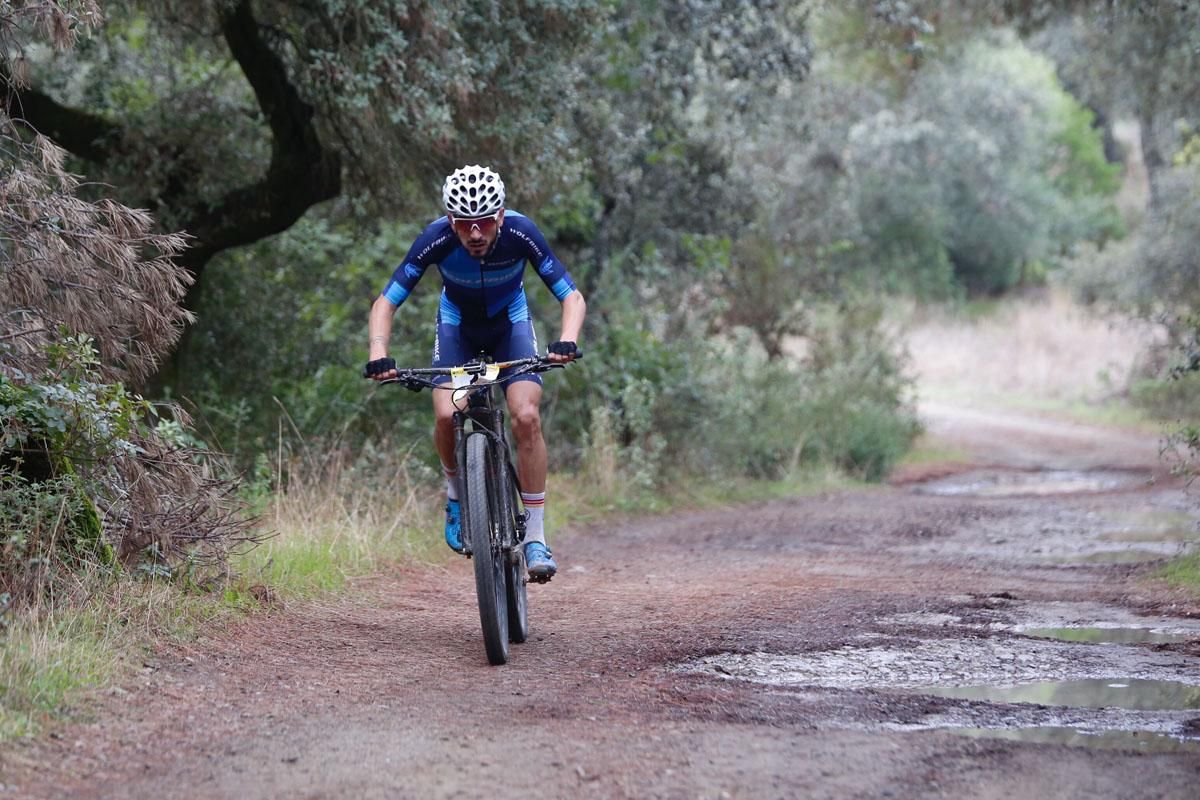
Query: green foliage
(1184, 572)
(721, 409)
(287, 319)
(48, 517)
(88, 473)
(1169, 398)
(1189, 152)
(401, 89)
(990, 166)
(66, 413)
(1134, 60)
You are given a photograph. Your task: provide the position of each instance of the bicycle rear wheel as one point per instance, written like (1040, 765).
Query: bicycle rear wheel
(518, 600)
(482, 511)
(514, 559)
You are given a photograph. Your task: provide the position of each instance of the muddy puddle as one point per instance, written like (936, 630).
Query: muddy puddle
(1143, 741)
(923, 663)
(1131, 693)
(1063, 531)
(1154, 526)
(1064, 689)
(1132, 556)
(1005, 483)
(1098, 635)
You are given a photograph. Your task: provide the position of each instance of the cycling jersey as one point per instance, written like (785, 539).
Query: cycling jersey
(476, 290)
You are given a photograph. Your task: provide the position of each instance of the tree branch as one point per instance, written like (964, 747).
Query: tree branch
(302, 172)
(86, 135)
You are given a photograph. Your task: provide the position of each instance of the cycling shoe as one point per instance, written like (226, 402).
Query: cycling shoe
(540, 561)
(454, 526)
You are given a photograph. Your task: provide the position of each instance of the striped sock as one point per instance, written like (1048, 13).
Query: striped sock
(535, 507)
(451, 482)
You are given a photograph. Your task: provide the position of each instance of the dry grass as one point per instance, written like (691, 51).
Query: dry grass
(50, 656)
(334, 517)
(1027, 350)
(338, 515)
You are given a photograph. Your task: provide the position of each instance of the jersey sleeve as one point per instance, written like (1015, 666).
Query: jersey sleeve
(549, 268)
(426, 250)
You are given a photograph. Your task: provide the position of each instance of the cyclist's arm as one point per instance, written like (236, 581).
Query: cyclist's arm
(558, 281)
(379, 327)
(574, 309)
(426, 250)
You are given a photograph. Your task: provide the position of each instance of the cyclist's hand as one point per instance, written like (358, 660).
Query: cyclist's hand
(380, 369)
(562, 351)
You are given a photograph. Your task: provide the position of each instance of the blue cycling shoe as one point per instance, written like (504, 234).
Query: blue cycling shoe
(454, 526)
(540, 561)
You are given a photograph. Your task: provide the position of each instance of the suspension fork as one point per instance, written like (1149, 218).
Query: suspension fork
(460, 462)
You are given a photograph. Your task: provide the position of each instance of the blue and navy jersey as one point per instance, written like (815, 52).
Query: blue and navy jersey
(476, 289)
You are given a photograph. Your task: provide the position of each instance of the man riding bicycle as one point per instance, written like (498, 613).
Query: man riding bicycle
(480, 251)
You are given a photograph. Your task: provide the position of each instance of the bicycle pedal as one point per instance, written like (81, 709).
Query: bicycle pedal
(538, 579)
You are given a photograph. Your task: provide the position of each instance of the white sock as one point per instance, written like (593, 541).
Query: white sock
(535, 507)
(451, 482)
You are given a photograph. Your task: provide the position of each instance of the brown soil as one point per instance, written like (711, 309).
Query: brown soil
(386, 692)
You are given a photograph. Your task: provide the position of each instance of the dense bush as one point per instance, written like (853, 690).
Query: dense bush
(91, 475)
(89, 299)
(279, 340)
(989, 167)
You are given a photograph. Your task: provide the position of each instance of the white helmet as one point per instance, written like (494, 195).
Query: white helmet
(473, 191)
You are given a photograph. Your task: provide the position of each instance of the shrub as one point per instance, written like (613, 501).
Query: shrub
(723, 409)
(990, 165)
(86, 477)
(89, 299)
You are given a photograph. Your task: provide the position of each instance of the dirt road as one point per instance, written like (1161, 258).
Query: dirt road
(789, 650)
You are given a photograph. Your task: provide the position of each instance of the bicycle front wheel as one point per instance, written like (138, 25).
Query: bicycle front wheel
(482, 513)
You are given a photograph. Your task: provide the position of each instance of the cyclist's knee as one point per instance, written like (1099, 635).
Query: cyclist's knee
(526, 420)
(443, 418)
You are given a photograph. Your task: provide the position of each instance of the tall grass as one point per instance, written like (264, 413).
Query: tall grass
(333, 515)
(50, 654)
(337, 514)
(1027, 350)
(1183, 572)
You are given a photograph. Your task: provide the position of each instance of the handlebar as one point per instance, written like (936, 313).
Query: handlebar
(417, 378)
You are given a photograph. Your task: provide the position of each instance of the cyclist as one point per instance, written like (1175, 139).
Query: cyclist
(480, 249)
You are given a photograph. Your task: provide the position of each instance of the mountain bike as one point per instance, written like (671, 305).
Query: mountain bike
(492, 514)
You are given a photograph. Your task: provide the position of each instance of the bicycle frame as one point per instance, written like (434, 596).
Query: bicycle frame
(485, 414)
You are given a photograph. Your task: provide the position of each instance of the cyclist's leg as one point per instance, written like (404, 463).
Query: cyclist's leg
(449, 349)
(524, 396)
(524, 400)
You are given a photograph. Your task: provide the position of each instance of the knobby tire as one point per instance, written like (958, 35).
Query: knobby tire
(482, 508)
(514, 572)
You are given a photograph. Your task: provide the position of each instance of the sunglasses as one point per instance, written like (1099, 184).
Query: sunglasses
(485, 224)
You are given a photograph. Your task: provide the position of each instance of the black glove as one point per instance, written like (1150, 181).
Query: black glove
(563, 349)
(378, 367)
